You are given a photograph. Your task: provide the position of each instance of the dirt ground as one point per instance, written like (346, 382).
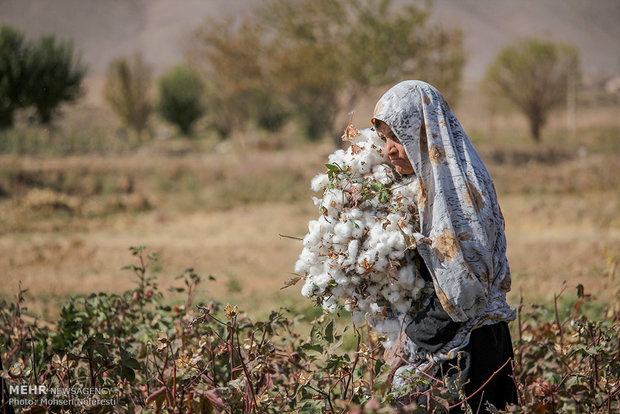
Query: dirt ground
(243, 249)
(243, 244)
(66, 224)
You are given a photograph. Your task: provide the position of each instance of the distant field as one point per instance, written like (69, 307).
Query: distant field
(66, 223)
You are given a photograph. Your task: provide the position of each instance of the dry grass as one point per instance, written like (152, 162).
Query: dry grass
(67, 223)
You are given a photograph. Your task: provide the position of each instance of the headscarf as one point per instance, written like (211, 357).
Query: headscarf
(462, 239)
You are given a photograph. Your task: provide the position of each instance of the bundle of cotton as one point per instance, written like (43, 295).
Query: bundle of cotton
(358, 250)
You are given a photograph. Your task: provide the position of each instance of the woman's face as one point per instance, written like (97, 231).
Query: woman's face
(394, 149)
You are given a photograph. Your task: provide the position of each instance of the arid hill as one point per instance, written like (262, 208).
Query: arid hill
(103, 30)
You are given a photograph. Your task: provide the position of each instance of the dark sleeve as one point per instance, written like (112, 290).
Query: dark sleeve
(432, 327)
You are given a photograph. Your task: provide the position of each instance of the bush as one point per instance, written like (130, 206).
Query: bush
(210, 357)
(180, 94)
(12, 74)
(127, 91)
(42, 74)
(54, 76)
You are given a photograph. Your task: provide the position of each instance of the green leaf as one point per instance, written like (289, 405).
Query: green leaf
(96, 343)
(309, 407)
(329, 332)
(378, 365)
(132, 363)
(333, 168)
(127, 373)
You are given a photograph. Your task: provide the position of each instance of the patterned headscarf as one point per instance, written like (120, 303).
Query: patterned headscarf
(462, 237)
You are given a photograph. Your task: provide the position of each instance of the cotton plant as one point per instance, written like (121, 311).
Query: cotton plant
(358, 253)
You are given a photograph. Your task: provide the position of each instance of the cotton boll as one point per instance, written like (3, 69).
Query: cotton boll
(352, 214)
(376, 230)
(319, 183)
(385, 291)
(316, 269)
(308, 289)
(332, 201)
(372, 289)
(338, 240)
(383, 174)
(308, 255)
(301, 266)
(337, 157)
(340, 278)
(374, 308)
(330, 304)
(394, 297)
(357, 231)
(393, 221)
(374, 158)
(311, 239)
(344, 229)
(406, 276)
(333, 194)
(325, 225)
(313, 226)
(321, 281)
(397, 241)
(402, 306)
(381, 264)
(352, 249)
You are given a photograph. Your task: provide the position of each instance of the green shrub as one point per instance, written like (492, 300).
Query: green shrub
(180, 95)
(55, 76)
(41, 74)
(210, 357)
(12, 74)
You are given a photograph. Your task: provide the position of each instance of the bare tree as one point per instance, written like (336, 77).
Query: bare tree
(127, 90)
(534, 76)
(310, 60)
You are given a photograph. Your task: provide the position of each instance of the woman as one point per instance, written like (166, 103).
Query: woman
(466, 259)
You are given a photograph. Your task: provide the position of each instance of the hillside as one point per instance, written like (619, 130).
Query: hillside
(103, 30)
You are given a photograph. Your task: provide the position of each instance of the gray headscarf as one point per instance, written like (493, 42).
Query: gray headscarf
(458, 207)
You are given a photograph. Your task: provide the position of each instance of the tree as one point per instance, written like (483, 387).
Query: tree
(180, 94)
(127, 91)
(534, 76)
(12, 74)
(55, 76)
(312, 59)
(329, 53)
(240, 90)
(42, 74)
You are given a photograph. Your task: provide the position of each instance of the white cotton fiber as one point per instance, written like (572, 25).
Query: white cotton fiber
(352, 248)
(319, 183)
(355, 250)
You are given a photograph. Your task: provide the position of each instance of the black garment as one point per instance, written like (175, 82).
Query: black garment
(488, 349)
(431, 327)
